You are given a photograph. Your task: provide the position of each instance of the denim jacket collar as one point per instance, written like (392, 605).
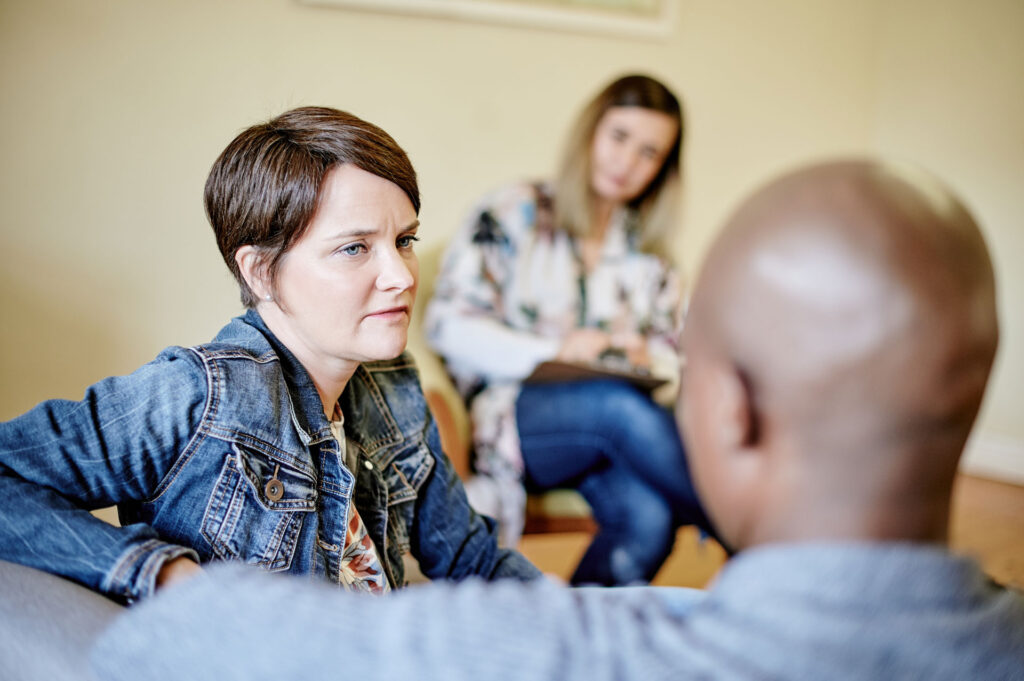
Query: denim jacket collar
(309, 418)
(369, 421)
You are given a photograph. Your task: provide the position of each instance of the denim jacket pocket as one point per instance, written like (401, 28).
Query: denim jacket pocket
(257, 508)
(404, 476)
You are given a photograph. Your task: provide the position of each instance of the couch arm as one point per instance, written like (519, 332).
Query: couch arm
(454, 441)
(48, 625)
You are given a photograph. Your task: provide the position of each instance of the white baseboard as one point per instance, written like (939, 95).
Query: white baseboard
(994, 456)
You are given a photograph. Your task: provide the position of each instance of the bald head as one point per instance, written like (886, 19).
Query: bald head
(853, 305)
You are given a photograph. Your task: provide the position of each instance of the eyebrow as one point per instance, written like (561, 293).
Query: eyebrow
(356, 233)
(626, 133)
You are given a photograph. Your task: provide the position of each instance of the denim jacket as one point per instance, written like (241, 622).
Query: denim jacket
(186, 447)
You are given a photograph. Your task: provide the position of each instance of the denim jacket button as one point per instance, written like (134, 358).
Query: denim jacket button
(274, 489)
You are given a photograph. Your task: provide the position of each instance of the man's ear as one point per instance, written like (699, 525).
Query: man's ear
(253, 268)
(738, 418)
(746, 462)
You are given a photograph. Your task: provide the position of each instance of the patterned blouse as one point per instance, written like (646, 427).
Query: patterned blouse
(511, 287)
(361, 569)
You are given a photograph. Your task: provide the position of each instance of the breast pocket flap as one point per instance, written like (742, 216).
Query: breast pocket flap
(277, 485)
(407, 473)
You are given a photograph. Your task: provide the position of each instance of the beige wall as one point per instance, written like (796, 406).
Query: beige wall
(113, 111)
(950, 96)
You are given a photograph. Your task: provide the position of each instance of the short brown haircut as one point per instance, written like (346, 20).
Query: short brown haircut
(264, 188)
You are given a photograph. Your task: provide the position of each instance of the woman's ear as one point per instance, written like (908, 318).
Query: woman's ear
(253, 268)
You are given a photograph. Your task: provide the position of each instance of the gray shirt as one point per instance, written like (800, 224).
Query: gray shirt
(809, 611)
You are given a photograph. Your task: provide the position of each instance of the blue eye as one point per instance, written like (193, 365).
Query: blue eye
(353, 249)
(407, 240)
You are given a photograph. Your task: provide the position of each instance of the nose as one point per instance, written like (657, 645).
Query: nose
(629, 159)
(397, 271)
(624, 158)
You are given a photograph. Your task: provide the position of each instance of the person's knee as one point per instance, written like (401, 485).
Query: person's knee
(619, 396)
(620, 406)
(635, 412)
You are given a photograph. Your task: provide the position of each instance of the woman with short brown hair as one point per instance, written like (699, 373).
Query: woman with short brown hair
(298, 440)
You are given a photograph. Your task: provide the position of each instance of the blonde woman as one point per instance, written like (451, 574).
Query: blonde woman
(575, 270)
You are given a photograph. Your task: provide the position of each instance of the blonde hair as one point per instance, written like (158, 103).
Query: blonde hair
(655, 210)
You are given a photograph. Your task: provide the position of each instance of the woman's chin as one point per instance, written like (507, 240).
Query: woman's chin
(612, 193)
(389, 349)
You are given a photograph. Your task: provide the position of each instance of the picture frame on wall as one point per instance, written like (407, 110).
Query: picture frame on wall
(624, 18)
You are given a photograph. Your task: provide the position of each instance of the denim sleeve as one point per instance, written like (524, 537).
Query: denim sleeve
(63, 458)
(451, 540)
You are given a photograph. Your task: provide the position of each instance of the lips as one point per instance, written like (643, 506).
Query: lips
(616, 181)
(390, 313)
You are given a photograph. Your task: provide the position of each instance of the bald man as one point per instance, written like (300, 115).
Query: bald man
(838, 345)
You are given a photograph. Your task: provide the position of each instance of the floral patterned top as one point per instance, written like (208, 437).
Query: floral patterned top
(511, 287)
(361, 569)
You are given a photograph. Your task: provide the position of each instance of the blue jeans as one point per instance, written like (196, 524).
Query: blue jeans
(623, 453)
